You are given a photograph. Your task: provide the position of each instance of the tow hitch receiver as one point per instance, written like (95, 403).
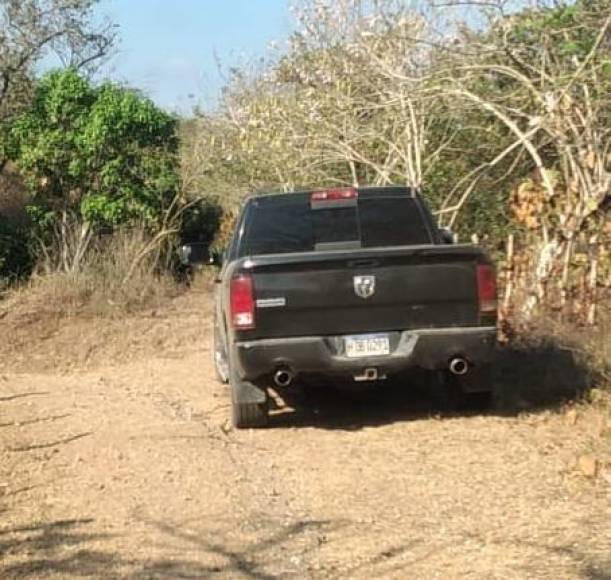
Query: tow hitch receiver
(370, 374)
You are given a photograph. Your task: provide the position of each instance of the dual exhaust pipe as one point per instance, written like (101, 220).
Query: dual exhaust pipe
(458, 366)
(283, 377)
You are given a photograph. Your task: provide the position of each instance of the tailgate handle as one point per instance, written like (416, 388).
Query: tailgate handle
(363, 263)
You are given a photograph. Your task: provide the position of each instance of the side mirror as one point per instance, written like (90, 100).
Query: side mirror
(199, 254)
(217, 258)
(448, 236)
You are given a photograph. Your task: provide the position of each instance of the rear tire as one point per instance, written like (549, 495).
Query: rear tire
(248, 415)
(478, 401)
(245, 415)
(221, 364)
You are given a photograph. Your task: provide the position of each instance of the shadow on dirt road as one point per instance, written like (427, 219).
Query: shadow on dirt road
(70, 548)
(527, 378)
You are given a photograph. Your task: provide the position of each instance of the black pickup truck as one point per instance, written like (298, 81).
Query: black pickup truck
(350, 284)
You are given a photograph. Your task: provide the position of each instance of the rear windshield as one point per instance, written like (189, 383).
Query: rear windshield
(278, 225)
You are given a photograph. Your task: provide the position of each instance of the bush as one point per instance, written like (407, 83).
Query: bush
(92, 157)
(119, 275)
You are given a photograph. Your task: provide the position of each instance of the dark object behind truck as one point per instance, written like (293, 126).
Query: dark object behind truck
(356, 284)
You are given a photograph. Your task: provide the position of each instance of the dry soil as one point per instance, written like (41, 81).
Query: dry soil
(117, 460)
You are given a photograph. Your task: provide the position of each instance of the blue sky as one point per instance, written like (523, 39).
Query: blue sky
(171, 49)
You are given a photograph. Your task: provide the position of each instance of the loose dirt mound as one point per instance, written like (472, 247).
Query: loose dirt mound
(117, 461)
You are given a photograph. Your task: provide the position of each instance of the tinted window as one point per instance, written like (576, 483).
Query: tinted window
(334, 226)
(392, 221)
(288, 224)
(277, 226)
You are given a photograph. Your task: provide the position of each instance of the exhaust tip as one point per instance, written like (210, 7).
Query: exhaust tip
(283, 378)
(459, 366)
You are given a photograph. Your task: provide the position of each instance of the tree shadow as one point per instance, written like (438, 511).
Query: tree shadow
(22, 396)
(44, 546)
(254, 559)
(590, 566)
(72, 548)
(196, 548)
(526, 377)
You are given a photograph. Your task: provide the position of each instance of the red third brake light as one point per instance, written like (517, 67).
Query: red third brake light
(335, 194)
(242, 302)
(486, 288)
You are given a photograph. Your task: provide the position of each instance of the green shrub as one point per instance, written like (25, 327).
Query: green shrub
(92, 158)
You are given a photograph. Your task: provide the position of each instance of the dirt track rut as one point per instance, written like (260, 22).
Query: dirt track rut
(127, 467)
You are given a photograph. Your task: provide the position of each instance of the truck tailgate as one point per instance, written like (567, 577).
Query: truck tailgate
(314, 294)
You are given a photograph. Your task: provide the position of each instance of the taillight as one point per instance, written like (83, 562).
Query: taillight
(242, 302)
(486, 288)
(336, 194)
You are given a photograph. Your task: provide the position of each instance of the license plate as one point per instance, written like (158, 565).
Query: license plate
(367, 345)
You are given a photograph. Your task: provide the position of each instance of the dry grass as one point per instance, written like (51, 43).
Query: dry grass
(114, 280)
(589, 346)
(561, 366)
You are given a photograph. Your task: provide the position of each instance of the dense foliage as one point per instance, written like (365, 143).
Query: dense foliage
(504, 124)
(95, 157)
(502, 118)
(15, 257)
(31, 30)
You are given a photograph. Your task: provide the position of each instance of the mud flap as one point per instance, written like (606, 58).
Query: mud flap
(245, 392)
(249, 403)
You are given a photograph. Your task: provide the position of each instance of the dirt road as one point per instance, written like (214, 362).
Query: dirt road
(117, 460)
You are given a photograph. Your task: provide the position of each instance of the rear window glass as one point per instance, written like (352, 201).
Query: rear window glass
(334, 226)
(392, 222)
(289, 224)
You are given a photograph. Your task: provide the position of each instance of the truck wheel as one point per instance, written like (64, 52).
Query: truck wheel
(478, 401)
(246, 413)
(221, 365)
